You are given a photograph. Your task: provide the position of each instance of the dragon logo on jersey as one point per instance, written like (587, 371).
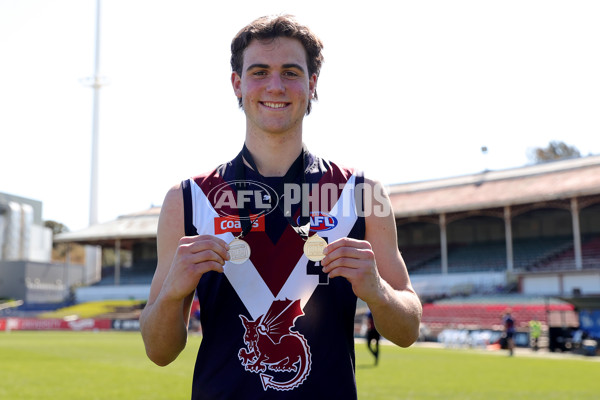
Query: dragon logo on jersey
(271, 344)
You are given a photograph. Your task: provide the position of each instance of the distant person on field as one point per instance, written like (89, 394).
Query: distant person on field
(535, 331)
(373, 337)
(509, 332)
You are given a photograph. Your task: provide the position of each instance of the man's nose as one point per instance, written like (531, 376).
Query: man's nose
(275, 84)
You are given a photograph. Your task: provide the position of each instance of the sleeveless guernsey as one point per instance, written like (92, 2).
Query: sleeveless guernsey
(275, 326)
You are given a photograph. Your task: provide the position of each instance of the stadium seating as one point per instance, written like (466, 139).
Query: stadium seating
(422, 259)
(590, 254)
(532, 254)
(542, 254)
(139, 274)
(486, 313)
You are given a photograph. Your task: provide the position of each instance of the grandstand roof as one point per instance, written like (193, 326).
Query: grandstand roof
(136, 226)
(549, 181)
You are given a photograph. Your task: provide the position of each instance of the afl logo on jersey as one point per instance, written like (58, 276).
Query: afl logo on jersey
(229, 198)
(320, 221)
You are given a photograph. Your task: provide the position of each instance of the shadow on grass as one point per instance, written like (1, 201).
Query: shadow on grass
(366, 366)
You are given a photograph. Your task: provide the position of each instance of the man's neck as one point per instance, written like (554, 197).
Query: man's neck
(274, 155)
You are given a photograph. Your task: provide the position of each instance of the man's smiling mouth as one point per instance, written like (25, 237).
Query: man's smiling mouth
(274, 105)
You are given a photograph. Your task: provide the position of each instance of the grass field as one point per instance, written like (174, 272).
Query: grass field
(113, 365)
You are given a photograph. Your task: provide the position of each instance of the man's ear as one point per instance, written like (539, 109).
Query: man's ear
(312, 86)
(236, 83)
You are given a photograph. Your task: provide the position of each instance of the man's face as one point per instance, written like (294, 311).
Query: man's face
(275, 86)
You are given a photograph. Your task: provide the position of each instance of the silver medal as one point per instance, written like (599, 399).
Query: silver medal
(239, 251)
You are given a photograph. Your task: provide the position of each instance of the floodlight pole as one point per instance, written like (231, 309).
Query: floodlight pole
(96, 85)
(93, 253)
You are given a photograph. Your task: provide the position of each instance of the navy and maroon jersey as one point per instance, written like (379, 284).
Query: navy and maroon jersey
(275, 326)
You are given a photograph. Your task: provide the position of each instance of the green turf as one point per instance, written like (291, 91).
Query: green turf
(425, 373)
(87, 365)
(113, 365)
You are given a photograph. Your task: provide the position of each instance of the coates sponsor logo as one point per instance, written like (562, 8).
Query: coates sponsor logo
(234, 224)
(228, 198)
(320, 221)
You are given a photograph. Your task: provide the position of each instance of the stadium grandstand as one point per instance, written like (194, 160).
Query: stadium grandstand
(129, 255)
(526, 238)
(536, 227)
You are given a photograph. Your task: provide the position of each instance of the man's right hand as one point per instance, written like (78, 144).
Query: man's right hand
(195, 255)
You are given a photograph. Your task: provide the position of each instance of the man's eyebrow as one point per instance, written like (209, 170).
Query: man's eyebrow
(261, 66)
(266, 66)
(292, 65)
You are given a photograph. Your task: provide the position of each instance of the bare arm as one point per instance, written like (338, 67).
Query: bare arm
(181, 262)
(377, 272)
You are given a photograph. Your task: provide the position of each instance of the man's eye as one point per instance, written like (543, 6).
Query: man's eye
(290, 74)
(259, 73)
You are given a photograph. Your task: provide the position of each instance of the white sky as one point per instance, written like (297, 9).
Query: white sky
(410, 90)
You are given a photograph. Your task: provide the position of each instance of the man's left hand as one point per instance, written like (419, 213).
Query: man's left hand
(354, 260)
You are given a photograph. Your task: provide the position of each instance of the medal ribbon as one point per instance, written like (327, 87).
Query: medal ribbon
(248, 227)
(289, 177)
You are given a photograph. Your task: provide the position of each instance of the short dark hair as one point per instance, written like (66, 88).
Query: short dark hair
(271, 27)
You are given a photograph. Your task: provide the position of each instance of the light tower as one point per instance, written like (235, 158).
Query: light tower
(96, 82)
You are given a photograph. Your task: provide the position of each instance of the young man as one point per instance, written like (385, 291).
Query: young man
(277, 244)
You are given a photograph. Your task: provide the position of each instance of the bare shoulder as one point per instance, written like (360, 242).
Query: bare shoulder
(171, 212)
(382, 235)
(170, 231)
(377, 207)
